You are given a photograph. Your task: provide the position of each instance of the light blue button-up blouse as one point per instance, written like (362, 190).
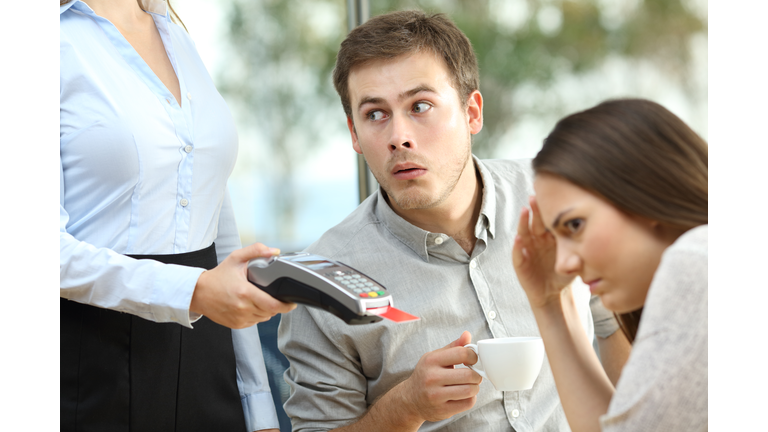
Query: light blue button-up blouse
(142, 174)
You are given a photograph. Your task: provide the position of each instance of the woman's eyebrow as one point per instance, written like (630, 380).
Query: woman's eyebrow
(559, 215)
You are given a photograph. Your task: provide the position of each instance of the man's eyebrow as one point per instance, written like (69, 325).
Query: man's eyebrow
(416, 90)
(557, 219)
(369, 100)
(404, 95)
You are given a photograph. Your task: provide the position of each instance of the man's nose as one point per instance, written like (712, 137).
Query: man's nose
(567, 261)
(401, 134)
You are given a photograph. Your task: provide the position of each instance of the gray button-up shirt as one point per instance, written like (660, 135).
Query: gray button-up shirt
(337, 371)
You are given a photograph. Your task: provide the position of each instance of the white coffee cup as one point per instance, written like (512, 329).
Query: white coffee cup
(510, 363)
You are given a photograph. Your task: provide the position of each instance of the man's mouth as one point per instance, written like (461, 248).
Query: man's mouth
(408, 171)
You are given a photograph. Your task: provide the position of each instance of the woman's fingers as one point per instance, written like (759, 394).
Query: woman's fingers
(523, 241)
(537, 224)
(522, 224)
(517, 253)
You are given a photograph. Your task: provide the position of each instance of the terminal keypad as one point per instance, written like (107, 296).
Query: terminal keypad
(357, 283)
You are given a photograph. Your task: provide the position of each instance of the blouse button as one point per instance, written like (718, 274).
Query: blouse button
(188, 148)
(439, 240)
(184, 202)
(473, 264)
(515, 413)
(492, 315)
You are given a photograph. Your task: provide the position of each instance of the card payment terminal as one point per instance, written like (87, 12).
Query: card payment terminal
(326, 284)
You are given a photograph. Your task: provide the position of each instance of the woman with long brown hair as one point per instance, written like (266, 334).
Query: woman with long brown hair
(621, 202)
(157, 317)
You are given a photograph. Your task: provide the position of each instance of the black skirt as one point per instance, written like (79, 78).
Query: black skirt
(123, 373)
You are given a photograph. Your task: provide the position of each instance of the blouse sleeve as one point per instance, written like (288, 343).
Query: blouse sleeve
(104, 278)
(227, 237)
(252, 379)
(663, 386)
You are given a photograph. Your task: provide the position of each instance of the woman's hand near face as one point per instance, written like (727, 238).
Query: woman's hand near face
(533, 256)
(583, 386)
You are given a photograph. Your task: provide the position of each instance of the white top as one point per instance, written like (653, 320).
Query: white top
(663, 387)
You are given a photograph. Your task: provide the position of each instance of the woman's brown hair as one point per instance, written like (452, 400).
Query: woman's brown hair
(638, 156)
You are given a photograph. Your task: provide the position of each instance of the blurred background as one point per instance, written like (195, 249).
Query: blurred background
(296, 173)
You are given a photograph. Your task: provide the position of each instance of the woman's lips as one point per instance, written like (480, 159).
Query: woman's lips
(593, 285)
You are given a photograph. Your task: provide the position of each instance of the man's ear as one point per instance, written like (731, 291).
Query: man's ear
(353, 133)
(475, 112)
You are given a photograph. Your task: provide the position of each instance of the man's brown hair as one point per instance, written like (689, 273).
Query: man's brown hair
(401, 33)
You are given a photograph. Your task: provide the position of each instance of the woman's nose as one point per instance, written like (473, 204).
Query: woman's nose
(567, 262)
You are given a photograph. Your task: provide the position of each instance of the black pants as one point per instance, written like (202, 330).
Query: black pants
(123, 373)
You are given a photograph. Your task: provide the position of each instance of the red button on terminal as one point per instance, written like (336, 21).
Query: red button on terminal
(363, 294)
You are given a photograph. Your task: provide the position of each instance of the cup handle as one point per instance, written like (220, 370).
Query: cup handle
(474, 367)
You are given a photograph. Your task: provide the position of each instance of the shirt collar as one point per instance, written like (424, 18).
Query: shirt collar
(65, 7)
(488, 207)
(158, 7)
(418, 239)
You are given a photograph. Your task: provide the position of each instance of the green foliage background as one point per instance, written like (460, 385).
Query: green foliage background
(282, 53)
(279, 40)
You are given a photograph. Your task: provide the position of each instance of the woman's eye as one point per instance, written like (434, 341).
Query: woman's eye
(421, 107)
(574, 225)
(375, 115)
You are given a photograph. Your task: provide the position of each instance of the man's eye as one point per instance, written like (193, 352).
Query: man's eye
(421, 107)
(574, 225)
(375, 115)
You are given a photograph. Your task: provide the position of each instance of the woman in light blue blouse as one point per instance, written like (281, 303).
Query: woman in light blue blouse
(152, 274)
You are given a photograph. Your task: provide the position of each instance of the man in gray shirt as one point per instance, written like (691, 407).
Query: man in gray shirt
(438, 234)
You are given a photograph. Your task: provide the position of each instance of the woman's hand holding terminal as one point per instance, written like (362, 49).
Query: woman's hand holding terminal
(225, 295)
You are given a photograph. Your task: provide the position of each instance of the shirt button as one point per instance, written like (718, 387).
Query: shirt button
(492, 315)
(473, 264)
(515, 413)
(188, 148)
(184, 202)
(189, 96)
(439, 240)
